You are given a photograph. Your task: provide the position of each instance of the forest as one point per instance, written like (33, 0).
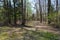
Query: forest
(29, 19)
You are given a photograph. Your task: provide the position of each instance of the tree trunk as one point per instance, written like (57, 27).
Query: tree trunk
(40, 8)
(57, 6)
(23, 11)
(9, 11)
(6, 12)
(57, 10)
(37, 13)
(49, 7)
(15, 19)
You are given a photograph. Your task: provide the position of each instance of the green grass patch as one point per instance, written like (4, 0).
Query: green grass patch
(41, 36)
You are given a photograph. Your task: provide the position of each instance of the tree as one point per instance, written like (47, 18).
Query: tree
(23, 11)
(14, 1)
(28, 10)
(9, 11)
(57, 6)
(6, 11)
(40, 8)
(37, 10)
(49, 10)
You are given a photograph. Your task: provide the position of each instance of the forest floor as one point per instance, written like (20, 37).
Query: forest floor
(43, 27)
(45, 32)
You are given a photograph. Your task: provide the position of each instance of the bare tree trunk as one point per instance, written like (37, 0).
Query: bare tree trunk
(9, 11)
(23, 11)
(45, 13)
(49, 7)
(57, 10)
(57, 6)
(37, 13)
(15, 19)
(6, 12)
(40, 8)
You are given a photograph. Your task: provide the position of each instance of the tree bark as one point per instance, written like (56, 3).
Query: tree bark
(23, 11)
(40, 8)
(57, 6)
(49, 7)
(15, 19)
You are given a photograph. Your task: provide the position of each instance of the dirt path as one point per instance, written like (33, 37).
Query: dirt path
(44, 27)
(37, 26)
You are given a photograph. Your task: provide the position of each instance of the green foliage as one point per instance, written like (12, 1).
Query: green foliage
(54, 18)
(40, 36)
(2, 15)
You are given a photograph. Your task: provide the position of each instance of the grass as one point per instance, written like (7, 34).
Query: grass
(44, 36)
(9, 33)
